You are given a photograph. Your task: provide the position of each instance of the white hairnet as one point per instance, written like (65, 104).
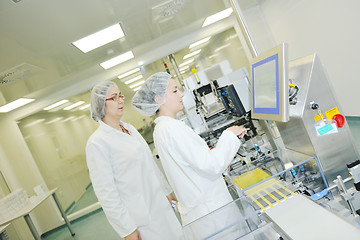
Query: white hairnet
(144, 98)
(97, 99)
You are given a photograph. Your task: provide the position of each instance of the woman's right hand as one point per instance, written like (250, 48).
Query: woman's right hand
(133, 236)
(238, 131)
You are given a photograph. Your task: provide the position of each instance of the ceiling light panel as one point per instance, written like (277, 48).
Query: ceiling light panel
(99, 38)
(129, 73)
(75, 119)
(34, 122)
(204, 40)
(56, 104)
(74, 105)
(183, 68)
(134, 79)
(60, 107)
(54, 120)
(222, 47)
(86, 106)
(117, 60)
(186, 62)
(68, 119)
(137, 88)
(137, 84)
(191, 54)
(217, 17)
(15, 104)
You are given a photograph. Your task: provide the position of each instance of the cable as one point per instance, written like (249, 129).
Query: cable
(293, 95)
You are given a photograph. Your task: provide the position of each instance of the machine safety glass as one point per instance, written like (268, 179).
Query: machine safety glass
(116, 98)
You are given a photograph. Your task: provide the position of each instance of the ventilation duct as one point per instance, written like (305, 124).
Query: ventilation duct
(18, 73)
(167, 8)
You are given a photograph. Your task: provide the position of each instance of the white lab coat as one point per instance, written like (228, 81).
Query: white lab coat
(192, 169)
(127, 184)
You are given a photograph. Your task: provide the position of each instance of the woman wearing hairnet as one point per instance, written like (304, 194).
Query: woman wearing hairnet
(193, 170)
(124, 175)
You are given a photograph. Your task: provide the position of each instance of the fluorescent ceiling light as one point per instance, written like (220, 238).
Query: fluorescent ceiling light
(191, 54)
(74, 105)
(204, 40)
(183, 68)
(214, 55)
(99, 38)
(84, 107)
(68, 119)
(35, 122)
(82, 116)
(186, 63)
(231, 37)
(15, 104)
(217, 17)
(56, 104)
(129, 73)
(55, 120)
(117, 60)
(182, 72)
(136, 89)
(137, 84)
(134, 79)
(60, 107)
(222, 47)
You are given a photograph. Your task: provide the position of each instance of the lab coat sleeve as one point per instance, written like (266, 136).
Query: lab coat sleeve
(101, 176)
(189, 147)
(164, 183)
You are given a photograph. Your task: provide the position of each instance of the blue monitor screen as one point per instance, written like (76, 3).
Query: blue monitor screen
(265, 77)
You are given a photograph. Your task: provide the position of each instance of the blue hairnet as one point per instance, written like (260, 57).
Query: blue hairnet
(97, 99)
(144, 98)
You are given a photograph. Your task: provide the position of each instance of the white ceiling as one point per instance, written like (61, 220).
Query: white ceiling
(37, 59)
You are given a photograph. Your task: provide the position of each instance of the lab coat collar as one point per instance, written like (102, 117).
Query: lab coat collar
(163, 118)
(103, 126)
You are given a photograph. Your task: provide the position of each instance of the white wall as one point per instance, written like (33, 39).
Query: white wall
(19, 170)
(328, 27)
(59, 152)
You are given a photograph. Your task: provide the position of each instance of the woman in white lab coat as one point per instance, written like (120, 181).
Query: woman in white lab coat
(124, 175)
(193, 170)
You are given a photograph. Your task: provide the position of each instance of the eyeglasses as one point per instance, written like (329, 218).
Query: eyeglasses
(116, 98)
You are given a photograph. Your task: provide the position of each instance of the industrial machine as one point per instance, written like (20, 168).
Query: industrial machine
(219, 100)
(304, 185)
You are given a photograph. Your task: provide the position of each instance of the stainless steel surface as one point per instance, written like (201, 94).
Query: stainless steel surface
(333, 151)
(301, 218)
(176, 68)
(335, 186)
(343, 189)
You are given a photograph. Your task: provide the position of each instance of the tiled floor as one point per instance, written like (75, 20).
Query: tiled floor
(86, 199)
(95, 225)
(91, 226)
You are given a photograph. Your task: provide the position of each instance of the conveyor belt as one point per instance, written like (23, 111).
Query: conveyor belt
(266, 194)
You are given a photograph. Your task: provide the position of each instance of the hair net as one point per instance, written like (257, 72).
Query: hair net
(144, 98)
(97, 99)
